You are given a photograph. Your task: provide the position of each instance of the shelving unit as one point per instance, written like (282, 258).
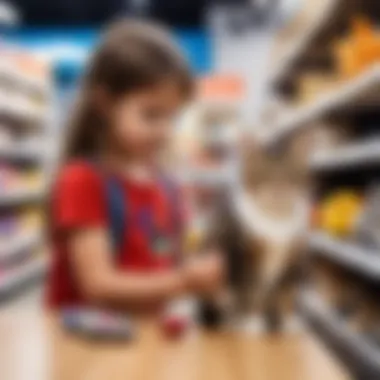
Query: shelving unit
(316, 19)
(355, 155)
(350, 163)
(11, 199)
(355, 93)
(362, 358)
(19, 244)
(22, 153)
(22, 112)
(318, 23)
(17, 279)
(352, 256)
(23, 79)
(26, 103)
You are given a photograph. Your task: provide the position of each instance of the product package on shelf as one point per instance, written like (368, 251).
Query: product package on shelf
(359, 49)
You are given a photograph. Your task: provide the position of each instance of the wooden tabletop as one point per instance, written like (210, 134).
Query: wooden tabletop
(31, 341)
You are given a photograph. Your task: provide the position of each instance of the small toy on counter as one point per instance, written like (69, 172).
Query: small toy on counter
(97, 324)
(178, 318)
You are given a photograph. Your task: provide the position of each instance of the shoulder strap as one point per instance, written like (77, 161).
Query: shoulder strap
(116, 205)
(117, 212)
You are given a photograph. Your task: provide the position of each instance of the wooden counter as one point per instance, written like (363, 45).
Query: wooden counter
(27, 340)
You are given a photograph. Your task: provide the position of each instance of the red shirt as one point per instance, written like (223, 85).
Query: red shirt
(79, 200)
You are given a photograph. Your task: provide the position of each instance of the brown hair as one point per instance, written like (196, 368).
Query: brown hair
(132, 56)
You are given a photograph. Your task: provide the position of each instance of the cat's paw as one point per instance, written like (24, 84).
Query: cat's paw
(252, 325)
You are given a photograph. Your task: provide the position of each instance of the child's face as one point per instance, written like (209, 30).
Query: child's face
(143, 121)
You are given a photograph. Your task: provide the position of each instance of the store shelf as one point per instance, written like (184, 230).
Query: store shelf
(361, 357)
(23, 153)
(319, 24)
(21, 110)
(18, 197)
(18, 244)
(26, 106)
(348, 95)
(351, 256)
(298, 46)
(19, 277)
(23, 80)
(355, 155)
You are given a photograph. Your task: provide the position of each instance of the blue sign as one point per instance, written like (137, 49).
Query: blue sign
(68, 49)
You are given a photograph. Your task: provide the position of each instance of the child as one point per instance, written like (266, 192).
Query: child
(134, 86)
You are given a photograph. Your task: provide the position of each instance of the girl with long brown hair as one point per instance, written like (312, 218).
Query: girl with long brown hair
(115, 217)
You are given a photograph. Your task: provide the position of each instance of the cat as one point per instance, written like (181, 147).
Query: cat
(259, 227)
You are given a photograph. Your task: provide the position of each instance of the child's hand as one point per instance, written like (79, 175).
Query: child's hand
(204, 274)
